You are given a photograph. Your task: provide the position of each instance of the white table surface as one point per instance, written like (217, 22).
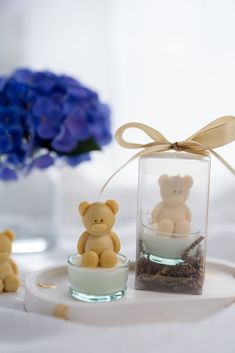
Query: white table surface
(26, 332)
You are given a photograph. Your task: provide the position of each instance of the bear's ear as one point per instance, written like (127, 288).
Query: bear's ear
(9, 234)
(83, 207)
(113, 205)
(188, 181)
(162, 179)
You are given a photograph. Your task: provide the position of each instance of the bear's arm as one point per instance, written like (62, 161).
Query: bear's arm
(4, 256)
(14, 267)
(116, 241)
(156, 212)
(82, 242)
(188, 214)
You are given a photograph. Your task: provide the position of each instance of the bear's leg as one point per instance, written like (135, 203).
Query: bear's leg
(182, 227)
(90, 259)
(1, 285)
(165, 226)
(11, 283)
(108, 258)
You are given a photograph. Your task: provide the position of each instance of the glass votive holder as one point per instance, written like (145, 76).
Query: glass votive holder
(97, 284)
(166, 248)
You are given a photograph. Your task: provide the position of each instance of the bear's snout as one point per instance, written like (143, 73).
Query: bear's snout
(97, 228)
(176, 199)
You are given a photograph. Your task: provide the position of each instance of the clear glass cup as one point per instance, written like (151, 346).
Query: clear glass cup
(31, 207)
(97, 284)
(172, 217)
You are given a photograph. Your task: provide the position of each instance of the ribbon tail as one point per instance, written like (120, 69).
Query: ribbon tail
(224, 162)
(118, 170)
(155, 148)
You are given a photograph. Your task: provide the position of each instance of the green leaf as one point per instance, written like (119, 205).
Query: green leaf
(83, 147)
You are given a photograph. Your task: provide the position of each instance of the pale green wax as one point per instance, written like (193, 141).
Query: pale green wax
(98, 281)
(167, 245)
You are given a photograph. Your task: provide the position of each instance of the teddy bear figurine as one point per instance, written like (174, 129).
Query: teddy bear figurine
(9, 282)
(172, 215)
(98, 245)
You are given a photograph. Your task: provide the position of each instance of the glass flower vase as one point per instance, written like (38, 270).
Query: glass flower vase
(31, 207)
(172, 222)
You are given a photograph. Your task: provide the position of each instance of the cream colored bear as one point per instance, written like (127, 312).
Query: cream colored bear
(172, 215)
(9, 281)
(98, 245)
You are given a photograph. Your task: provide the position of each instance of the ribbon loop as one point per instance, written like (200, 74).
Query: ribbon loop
(155, 135)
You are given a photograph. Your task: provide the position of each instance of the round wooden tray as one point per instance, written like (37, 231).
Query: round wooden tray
(47, 292)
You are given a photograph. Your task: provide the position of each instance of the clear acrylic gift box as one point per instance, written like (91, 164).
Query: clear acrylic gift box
(172, 217)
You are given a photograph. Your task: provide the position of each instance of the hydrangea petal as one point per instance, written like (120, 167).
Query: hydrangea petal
(5, 144)
(14, 158)
(41, 106)
(77, 126)
(67, 81)
(44, 161)
(16, 134)
(8, 174)
(55, 114)
(23, 76)
(47, 131)
(45, 81)
(64, 142)
(10, 115)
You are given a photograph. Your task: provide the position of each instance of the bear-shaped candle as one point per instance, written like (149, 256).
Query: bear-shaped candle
(9, 281)
(98, 272)
(98, 245)
(172, 221)
(172, 215)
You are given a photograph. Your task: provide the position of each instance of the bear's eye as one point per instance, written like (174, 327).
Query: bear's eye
(174, 191)
(180, 191)
(95, 220)
(101, 220)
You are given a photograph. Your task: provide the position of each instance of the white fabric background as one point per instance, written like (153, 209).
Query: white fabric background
(168, 63)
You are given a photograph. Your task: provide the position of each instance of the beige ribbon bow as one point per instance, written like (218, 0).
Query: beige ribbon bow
(216, 134)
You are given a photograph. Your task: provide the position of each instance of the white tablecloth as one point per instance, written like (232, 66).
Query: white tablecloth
(22, 333)
(26, 332)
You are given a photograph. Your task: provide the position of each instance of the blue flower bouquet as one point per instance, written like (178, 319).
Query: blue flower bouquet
(46, 118)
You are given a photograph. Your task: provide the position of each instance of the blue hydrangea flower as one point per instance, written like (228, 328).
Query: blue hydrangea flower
(45, 117)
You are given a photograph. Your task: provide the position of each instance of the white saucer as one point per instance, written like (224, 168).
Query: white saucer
(135, 306)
